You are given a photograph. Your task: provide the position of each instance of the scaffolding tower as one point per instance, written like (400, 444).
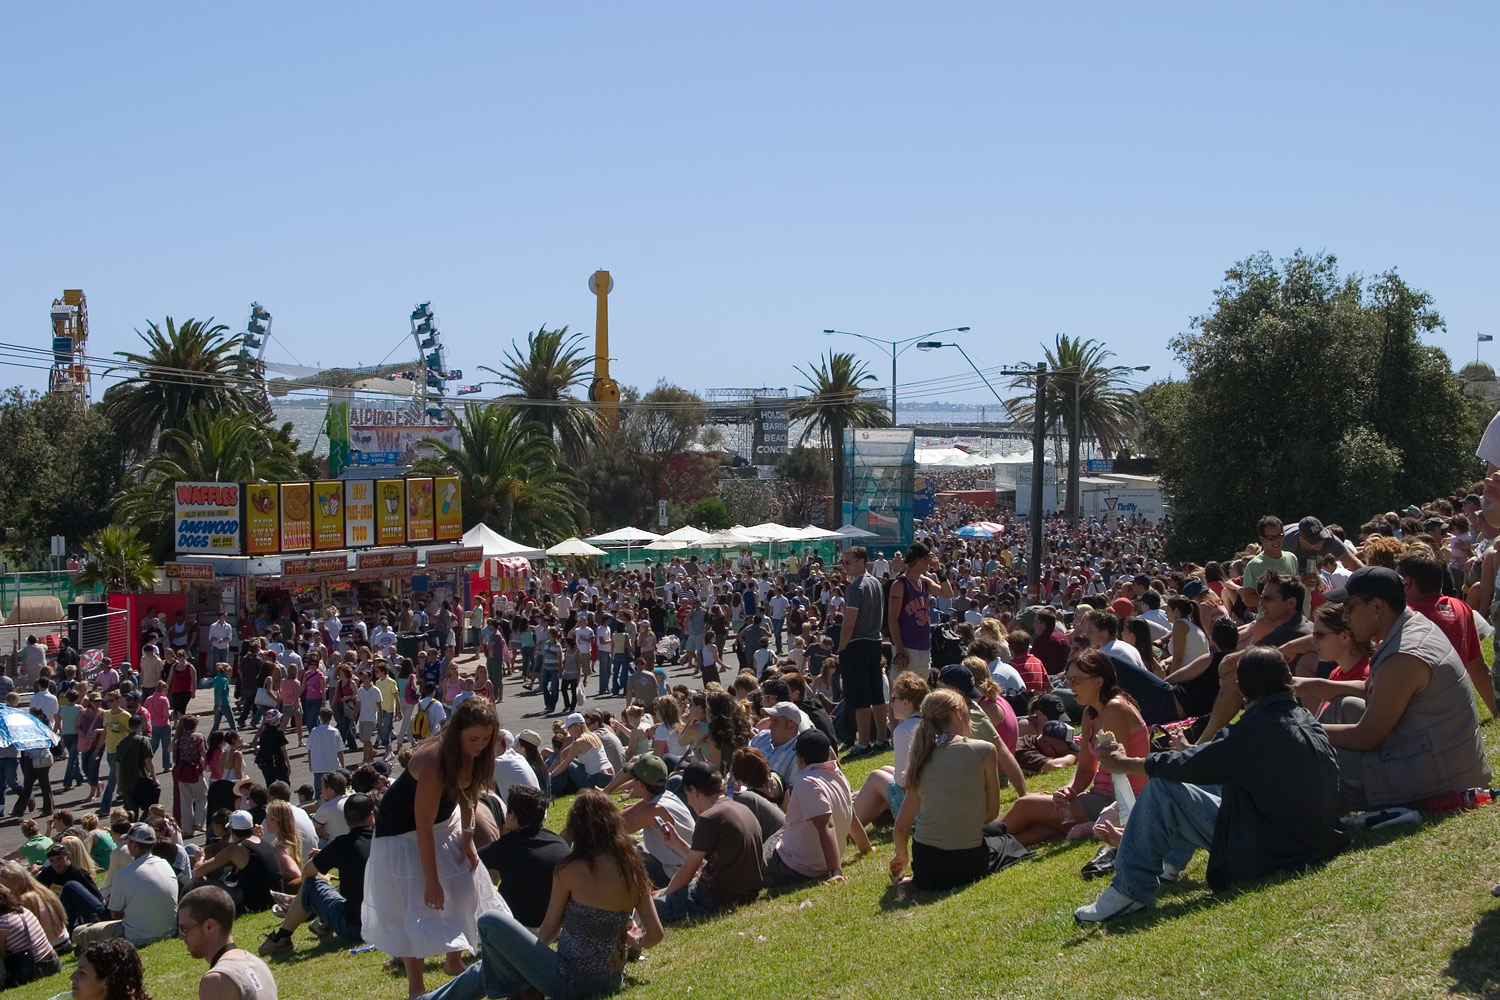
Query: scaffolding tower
(70, 334)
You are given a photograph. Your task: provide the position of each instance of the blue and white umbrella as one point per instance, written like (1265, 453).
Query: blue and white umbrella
(973, 531)
(24, 731)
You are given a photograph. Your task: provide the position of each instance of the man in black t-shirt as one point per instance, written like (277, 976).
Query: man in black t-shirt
(525, 855)
(335, 912)
(726, 847)
(58, 872)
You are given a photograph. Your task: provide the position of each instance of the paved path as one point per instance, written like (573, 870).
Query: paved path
(520, 710)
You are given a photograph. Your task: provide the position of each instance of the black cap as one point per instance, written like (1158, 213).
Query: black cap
(814, 746)
(1142, 580)
(959, 678)
(1374, 582)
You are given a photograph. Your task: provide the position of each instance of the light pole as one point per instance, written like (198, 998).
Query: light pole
(891, 347)
(1038, 443)
(1075, 444)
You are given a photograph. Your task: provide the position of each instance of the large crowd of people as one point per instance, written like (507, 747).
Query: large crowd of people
(698, 713)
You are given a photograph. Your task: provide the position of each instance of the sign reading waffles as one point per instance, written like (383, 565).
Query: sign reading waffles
(328, 514)
(207, 518)
(296, 517)
(262, 519)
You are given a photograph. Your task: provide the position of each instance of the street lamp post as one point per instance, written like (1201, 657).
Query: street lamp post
(1038, 443)
(891, 347)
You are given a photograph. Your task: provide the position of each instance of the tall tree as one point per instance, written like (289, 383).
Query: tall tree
(805, 474)
(544, 377)
(1307, 393)
(661, 429)
(1091, 398)
(182, 367)
(213, 447)
(614, 483)
(512, 476)
(835, 402)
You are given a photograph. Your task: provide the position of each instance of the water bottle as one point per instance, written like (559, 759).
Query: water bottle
(1469, 798)
(1124, 793)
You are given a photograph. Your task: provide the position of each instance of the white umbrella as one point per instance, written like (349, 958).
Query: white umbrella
(623, 536)
(574, 547)
(854, 531)
(688, 534)
(813, 533)
(772, 532)
(665, 545)
(728, 538)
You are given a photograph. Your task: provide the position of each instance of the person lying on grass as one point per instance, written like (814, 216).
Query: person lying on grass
(1262, 796)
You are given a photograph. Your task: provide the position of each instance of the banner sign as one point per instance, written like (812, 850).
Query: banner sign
(316, 564)
(419, 497)
(208, 518)
(262, 519)
(188, 571)
(328, 514)
(359, 513)
(296, 517)
(462, 557)
(449, 516)
(401, 558)
(390, 511)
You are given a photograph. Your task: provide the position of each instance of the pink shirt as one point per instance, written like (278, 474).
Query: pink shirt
(158, 709)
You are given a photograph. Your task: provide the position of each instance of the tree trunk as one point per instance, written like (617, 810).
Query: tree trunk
(836, 516)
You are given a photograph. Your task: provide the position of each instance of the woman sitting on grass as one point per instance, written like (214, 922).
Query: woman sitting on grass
(281, 823)
(595, 891)
(952, 791)
(110, 970)
(1038, 817)
(24, 947)
(885, 787)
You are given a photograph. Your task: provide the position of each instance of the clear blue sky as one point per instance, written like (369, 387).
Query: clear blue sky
(751, 174)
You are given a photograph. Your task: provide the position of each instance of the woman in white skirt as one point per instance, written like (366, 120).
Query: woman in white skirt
(424, 885)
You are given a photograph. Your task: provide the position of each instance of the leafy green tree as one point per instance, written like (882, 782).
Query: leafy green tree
(615, 487)
(709, 513)
(183, 367)
(750, 501)
(835, 402)
(512, 476)
(60, 467)
(214, 447)
(661, 430)
(805, 475)
(544, 377)
(1307, 393)
(1089, 395)
(118, 561)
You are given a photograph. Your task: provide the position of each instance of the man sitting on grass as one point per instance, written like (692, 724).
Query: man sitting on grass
(820, 809)
(1261, 796)
(525, 855)
(334, 912)
(725, 853)
(206, 925)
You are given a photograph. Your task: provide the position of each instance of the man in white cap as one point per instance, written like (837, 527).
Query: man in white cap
(779, 740)
(142, 898)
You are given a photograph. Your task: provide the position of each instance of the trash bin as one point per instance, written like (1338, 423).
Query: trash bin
(406, 644)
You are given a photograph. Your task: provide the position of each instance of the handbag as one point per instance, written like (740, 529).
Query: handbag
(147, 792)
(264, 698)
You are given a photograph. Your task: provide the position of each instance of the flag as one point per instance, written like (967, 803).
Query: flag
(1485, 338)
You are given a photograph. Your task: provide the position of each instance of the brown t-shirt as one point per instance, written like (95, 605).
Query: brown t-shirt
(728, 834)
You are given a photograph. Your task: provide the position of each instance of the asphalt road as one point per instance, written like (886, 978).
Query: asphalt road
(519, 710)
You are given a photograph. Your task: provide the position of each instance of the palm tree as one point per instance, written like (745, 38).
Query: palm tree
(211, 448)
(1090, 396)
(195, 364)
(118, 560)
(512, 476)
(543, 378)
(835, 402)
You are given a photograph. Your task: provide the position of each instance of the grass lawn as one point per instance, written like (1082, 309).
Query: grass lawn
(1401, 914)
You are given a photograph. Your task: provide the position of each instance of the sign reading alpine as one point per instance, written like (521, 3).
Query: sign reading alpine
(208, 518)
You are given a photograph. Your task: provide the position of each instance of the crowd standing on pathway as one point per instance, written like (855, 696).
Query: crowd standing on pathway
(698, 713)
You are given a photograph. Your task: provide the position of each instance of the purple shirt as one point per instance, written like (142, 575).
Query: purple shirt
(915, 624)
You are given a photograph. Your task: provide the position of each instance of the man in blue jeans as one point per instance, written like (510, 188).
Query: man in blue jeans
(1262, 797)
(334, 912)
(725, 853)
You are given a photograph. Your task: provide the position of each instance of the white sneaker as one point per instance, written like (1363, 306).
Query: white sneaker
(1112, 903)
(1169, 874)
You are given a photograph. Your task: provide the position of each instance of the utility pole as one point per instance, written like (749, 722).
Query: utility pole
(1038, 466)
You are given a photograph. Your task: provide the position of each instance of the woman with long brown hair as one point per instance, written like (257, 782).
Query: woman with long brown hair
(595, 891)
(424, 886)
(1038, 817)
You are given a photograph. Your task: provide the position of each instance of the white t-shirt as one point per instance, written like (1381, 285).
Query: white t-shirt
(331, 816)
(512, 769)
(47, 702)
(146, 892)
(671, 739)
(1125, 649)
(368, 699)
(323, 746)
(902, 739)
(778, 607)
(656, 845)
